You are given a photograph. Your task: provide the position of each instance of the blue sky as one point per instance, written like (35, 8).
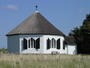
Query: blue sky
(64, 14)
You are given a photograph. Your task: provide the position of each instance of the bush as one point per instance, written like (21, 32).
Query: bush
(3, 50)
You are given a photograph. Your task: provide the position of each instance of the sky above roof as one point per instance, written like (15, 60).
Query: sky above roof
(63, 14)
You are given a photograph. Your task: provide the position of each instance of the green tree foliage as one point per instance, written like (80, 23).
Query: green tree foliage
(82, 36)
(3, 50)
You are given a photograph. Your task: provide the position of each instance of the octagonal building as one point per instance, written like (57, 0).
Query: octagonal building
(36, 35)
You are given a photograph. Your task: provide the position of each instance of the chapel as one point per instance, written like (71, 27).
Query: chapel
(36, 35)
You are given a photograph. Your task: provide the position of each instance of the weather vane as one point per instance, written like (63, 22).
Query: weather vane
(36, 7)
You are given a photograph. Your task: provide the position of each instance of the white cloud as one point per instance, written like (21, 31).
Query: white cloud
(11, 7)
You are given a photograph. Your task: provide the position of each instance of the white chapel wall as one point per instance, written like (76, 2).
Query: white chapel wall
(71, 49)
(43, 44)
(13, 44)
(32, 50)
(49, 51)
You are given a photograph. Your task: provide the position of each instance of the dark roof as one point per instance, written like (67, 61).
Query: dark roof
(35, 24)
(70, 40)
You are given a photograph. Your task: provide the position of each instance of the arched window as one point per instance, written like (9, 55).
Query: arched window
(32, 43)
(58, 44)
(64, 43)
(24, 43)
(53, 43)
(38, 43)
(48, 43)
(29, 42)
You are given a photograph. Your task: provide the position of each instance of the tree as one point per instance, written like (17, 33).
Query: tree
(76, 33)
(82, 36)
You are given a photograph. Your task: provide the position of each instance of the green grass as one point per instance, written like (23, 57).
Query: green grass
(44, 61)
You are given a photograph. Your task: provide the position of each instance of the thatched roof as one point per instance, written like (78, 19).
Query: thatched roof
(35, 24)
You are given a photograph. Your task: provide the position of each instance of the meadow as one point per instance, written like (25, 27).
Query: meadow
(44, 61)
